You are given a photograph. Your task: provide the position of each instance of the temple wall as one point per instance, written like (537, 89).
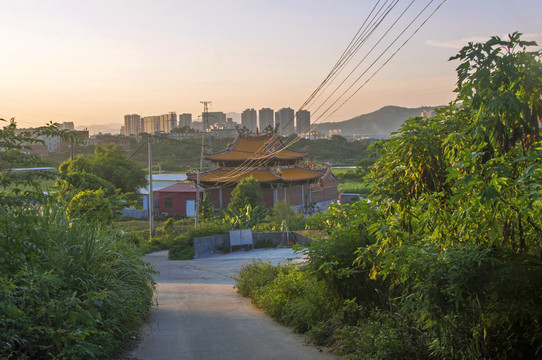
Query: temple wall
(293, 195)
(268, 197)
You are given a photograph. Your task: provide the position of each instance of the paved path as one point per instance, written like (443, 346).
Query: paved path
(200, 316)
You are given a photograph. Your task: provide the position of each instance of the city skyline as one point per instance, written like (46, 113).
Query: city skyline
(94, 63)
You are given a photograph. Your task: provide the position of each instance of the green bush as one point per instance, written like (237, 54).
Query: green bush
(289, 294)
(91, 206)
(68, 290)
(444, 263)
(471, 300)
(247, 192)
(254, 276)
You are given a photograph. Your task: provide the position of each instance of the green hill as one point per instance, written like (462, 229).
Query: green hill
(383, 121)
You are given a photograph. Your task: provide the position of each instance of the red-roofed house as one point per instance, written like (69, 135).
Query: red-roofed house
(177, 199)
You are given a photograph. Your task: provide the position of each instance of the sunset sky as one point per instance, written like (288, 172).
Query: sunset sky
(92, 62)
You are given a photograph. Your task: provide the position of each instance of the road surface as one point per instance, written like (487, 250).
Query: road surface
(200, 316)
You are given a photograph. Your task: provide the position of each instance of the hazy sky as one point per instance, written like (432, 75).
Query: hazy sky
(92, 62)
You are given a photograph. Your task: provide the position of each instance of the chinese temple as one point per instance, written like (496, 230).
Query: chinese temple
(276, 168)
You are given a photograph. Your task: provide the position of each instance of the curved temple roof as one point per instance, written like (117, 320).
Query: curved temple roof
(291, 174)
(265, 146)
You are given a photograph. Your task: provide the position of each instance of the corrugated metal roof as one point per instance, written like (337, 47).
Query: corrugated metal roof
(168, 177)
(179, 187)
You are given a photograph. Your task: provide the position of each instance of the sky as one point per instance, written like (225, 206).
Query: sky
(92, 62)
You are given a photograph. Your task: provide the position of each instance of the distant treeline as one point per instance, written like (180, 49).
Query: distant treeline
(174, 155)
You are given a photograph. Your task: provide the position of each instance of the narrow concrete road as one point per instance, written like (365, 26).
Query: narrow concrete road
(200, 316)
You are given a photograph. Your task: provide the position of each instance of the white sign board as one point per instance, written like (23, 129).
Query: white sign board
(241, 237)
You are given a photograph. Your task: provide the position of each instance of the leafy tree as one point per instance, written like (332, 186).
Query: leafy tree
(111, 164)
(338, 138)
(81, 164)
(61, 295)
(246, 218)
(247, 192)
(183, 130)
(500, 82)
(445, 261)
(90, 205)
(284, 217)
(17, 153)
(84, 181)
(206, 208)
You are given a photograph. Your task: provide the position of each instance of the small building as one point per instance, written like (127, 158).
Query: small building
(159, 181)
(177, 199)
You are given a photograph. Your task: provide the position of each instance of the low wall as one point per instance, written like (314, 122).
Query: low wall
(137, 214)
(207, 245)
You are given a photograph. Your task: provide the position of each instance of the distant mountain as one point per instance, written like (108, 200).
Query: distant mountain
(382, 122)
(104, 129)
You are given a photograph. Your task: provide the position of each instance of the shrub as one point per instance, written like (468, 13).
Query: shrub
(287, 292)
(68, 290)
(247, 192)
(91, 206)
(253, 276)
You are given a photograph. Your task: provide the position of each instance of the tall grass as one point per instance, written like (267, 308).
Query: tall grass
(69, 290)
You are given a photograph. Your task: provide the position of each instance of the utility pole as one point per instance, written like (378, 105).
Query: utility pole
(72, 149)
(151, 205)
(204, 121)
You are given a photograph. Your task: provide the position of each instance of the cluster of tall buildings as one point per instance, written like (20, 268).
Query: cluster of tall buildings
(254, 121)
(286, 119)
(134, 124)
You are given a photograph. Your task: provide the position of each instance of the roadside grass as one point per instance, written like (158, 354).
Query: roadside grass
(69, 289)
(136, 231)
(296, 297)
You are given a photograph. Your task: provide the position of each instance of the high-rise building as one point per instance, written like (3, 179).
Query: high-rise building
(212, 120)
(168, 122)
(151, 124)
(303, 122)
(185, 120)
(67, 126)
(132, 125)
(249, 120)
(229, 124)
(266, 118)
(285, 118)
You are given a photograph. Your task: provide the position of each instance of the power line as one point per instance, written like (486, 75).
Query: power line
(353, 48)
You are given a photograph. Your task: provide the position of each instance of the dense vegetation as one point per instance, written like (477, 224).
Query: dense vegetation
(70, 288)
(445, 262)
(179, 155)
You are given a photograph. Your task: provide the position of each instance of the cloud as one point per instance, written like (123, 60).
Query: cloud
(459, 43)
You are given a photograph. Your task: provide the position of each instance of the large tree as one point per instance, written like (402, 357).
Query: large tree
(247, 192)
(500, 82)
(111, 164)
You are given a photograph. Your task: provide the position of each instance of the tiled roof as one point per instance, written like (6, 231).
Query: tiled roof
(299, 174)
(255, 147)
(223, 175)
(234, 176)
